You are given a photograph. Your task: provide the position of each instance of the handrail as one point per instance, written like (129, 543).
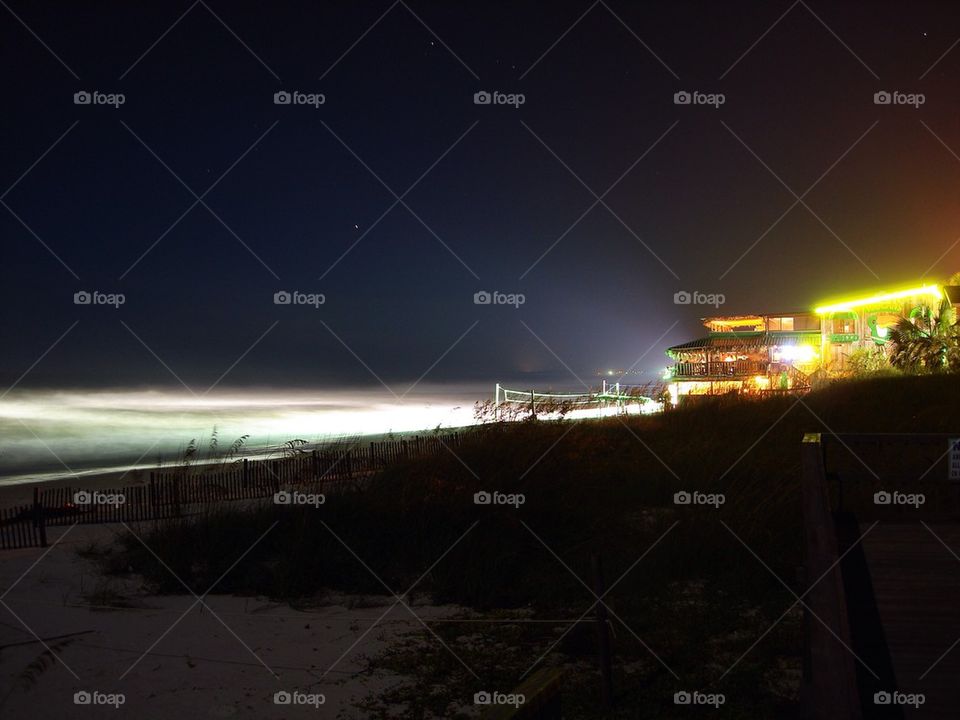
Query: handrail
(541, 698)
(720, 368)
(872, 437)
(832, 689)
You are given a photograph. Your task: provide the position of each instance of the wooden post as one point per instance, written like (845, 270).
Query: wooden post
(832, 690)
(153, 496)
(806, 661)
(246, 472)
(533, 407)
(603, 634)
(39, 522)
(176, 494)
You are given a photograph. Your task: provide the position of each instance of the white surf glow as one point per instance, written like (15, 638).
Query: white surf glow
(63, 432)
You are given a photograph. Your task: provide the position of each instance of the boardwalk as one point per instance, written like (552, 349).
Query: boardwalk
(916, 586)
(882, 625)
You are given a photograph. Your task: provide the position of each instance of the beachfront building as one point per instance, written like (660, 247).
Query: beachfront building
(791, 351)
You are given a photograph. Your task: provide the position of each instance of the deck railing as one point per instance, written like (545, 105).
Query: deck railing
(829, 675)
(720, 369)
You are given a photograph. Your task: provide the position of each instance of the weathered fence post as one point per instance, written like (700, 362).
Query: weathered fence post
(176, 494)
(832, 689)
(39, 522)
(152, 489)
(603, 634)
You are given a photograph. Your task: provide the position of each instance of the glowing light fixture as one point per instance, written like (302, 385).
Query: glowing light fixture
(931, 291)
(800, 353)
(674, 391)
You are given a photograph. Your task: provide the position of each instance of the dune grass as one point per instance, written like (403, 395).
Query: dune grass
(699, 599)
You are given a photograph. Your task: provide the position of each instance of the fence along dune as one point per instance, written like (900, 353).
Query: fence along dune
(174, 492)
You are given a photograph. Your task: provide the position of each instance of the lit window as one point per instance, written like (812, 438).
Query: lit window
(844, 325)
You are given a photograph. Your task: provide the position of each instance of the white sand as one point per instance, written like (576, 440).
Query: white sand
(198, 669)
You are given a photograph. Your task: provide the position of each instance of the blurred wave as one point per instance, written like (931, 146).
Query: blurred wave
(63, 432)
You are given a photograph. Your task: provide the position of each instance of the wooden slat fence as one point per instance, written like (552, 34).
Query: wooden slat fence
(21, 527)
(171, 493)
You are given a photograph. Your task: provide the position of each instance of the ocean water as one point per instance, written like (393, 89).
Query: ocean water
(51, 434)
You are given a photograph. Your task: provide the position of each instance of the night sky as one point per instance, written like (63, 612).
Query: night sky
(297, 189)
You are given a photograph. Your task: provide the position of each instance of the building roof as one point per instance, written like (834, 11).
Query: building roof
(755, 316)
(747, 341)
(953, 293)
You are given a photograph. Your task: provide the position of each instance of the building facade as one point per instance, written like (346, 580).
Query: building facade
(791, 351)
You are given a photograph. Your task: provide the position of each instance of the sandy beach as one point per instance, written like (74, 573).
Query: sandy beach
(170, 656)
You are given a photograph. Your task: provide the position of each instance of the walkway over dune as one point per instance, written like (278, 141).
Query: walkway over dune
(882, 537)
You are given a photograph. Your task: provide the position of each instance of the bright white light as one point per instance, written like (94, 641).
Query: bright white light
(799, 353)
(635, 408)
(105, 429)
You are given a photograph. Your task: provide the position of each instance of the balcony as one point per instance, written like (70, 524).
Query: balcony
(719, 369)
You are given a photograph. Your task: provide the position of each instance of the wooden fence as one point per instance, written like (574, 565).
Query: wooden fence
(22, 527)
(171, 493)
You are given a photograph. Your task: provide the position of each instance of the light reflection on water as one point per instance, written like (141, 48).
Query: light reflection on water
(43, 433)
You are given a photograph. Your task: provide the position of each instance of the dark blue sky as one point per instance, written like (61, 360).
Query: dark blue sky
(799, 100)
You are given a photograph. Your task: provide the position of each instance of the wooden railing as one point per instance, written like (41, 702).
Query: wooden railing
(720, 369)
(541, 693)
(830, 687)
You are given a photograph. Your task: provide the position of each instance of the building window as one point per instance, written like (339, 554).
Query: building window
(779, 324)
(844, 325)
